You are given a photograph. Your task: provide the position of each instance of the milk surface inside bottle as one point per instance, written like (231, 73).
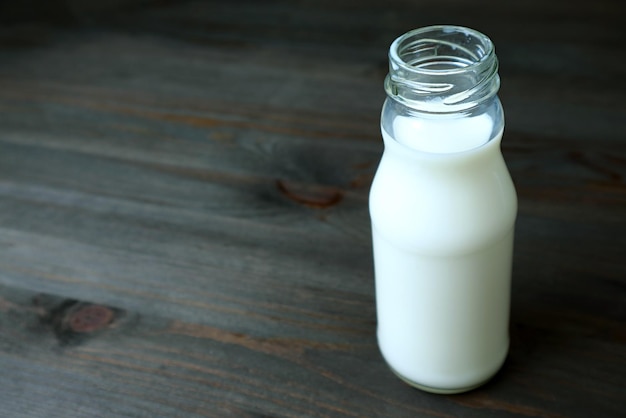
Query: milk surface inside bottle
(443, 209)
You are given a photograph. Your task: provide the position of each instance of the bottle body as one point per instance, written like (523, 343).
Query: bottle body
(443, 208)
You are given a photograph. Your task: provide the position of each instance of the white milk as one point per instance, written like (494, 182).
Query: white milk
(443, 208)
(443, 134)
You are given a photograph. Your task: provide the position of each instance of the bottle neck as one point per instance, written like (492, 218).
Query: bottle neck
(442, 69)
(478, 158)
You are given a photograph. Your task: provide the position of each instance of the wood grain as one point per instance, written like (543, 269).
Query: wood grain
(183, 208)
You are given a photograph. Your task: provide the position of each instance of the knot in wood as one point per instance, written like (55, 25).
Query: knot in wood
(318, 197)
(90, 318)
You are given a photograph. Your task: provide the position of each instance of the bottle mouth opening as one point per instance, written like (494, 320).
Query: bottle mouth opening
(444, 67)
(441, 50)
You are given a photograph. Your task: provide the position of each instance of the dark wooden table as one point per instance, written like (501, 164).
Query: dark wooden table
(183, 208)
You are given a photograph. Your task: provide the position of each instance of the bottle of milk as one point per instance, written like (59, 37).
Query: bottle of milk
(443, 210)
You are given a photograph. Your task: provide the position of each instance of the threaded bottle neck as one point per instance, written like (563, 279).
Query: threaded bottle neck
(442, 69)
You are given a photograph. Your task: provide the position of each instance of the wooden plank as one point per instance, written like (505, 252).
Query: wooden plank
(203, 168)
(136, 365)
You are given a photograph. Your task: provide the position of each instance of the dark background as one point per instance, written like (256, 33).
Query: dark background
(183, 207)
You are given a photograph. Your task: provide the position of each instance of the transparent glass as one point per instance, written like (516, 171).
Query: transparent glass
(442, 69)
(443, 209)
(443, 74)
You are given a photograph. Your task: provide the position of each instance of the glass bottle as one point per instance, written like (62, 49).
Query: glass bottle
(443, 209)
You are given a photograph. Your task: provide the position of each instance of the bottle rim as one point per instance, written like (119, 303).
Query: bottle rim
(442, 68)
(400, 43)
